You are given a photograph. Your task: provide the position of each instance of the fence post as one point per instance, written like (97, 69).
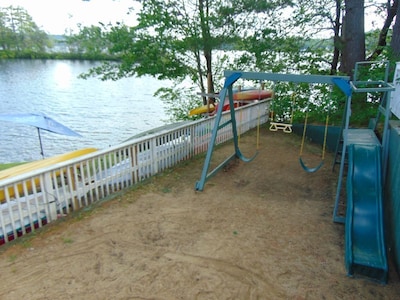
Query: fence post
(48, 195)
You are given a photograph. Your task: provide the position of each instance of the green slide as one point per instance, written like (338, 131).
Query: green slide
(364, 234)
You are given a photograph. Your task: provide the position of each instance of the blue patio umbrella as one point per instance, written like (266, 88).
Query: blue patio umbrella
(40, 121)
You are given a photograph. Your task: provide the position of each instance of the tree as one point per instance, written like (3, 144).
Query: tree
(177, 39)
(19, 33)
(349, 41)
(392, 11)
(181, 39)
(353, 35)
(337, 42)
(90, 40)
(395, 42)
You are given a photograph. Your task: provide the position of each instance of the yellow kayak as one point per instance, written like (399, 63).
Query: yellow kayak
(251, 95)
(31, 166)
(201, 110)
(246, 95)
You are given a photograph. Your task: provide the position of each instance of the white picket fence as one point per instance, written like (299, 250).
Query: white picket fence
(36, 198)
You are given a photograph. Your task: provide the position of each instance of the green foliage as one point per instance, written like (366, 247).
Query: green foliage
(182, 39)
(371, 72)
(19, 33)
(90, 40)
(365, 104)
(293, 101)
(179, 102)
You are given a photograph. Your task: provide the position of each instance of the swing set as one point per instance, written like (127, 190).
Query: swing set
(287, 128)
(231, 78)
(303, 165)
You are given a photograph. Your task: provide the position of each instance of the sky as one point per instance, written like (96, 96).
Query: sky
(55, 16)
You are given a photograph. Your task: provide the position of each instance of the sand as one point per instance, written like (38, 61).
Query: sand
(259, 230)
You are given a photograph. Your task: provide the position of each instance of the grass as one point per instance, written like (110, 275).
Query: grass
(67, 240)
(12, 258)
(10, 165)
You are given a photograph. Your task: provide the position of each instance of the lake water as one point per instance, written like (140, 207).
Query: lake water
(105, 113)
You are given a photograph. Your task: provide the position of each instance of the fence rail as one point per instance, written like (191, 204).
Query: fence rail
(36, 198)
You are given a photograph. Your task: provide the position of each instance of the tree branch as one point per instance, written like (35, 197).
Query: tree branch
(384, 31)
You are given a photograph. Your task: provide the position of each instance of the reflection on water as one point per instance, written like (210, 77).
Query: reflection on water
(104, 112)
(63, 75)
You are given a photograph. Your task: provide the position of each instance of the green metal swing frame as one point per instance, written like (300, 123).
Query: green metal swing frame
(231, 78)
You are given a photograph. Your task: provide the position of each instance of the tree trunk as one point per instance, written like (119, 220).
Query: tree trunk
(207, 50)
(200, 74)
(353, 35)
(395, 42)
(336, 39)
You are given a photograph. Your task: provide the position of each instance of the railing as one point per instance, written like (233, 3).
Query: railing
(36, 198)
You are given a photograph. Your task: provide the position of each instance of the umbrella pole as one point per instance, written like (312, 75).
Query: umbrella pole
(40, 141)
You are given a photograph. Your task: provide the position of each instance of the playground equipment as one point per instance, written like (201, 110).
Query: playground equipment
(303, 165)
(365, 252)
(227, 89)
(284, 126)
(367, 156)
(231, 78)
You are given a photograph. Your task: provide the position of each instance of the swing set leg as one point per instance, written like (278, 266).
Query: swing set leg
(205, 175)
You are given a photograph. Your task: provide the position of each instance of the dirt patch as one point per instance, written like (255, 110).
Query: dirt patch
(259, 230)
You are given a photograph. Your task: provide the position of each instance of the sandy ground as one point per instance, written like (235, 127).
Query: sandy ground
(259, 230)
